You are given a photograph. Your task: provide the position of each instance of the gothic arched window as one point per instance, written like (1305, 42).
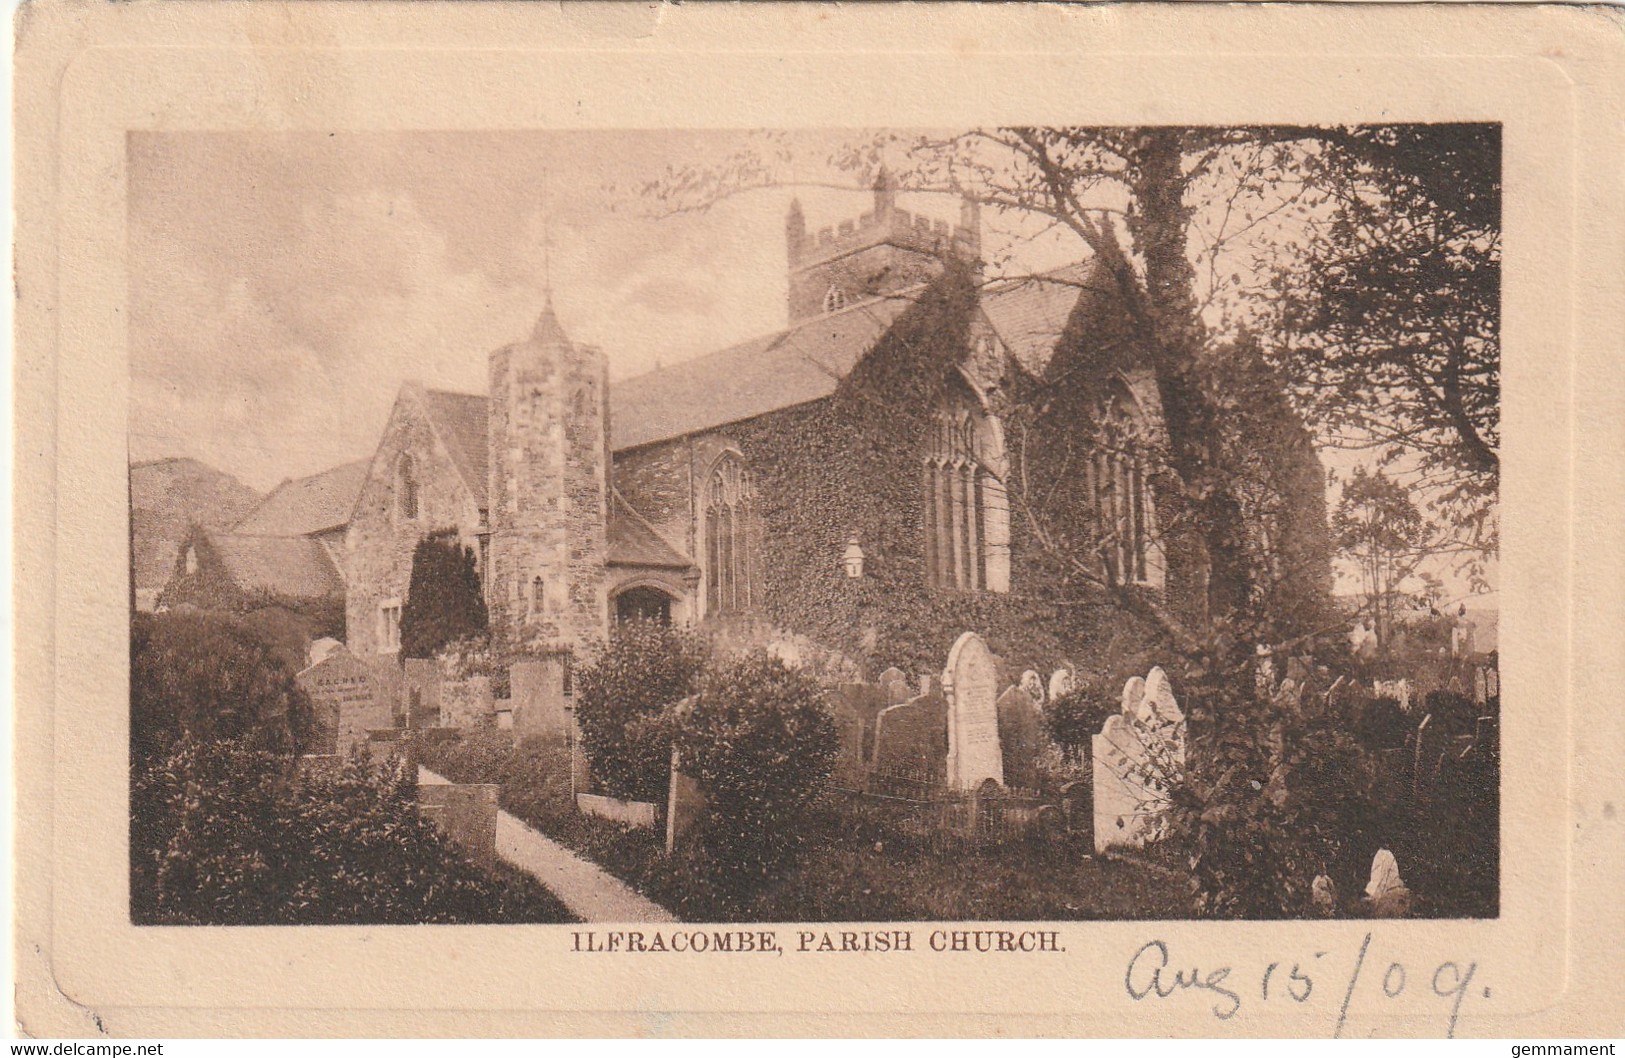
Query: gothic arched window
(966, 511)
(406, 488)
(1117, 485)
(731, 572)
(834, 299)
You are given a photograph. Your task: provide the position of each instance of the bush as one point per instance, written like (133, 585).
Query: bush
(620, 696)
(208, 677)
(444, 602)
(1074, 718)
(223, 833)
(1274, 796)
(760, 744)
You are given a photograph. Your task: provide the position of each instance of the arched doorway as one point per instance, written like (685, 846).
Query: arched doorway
(643, 604)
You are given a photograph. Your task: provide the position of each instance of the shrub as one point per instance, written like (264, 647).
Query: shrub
(761, 745)
(443, 599)
(1073, 718)
(223, 833)
(207, 676)
(620, 696)
(1274, 796)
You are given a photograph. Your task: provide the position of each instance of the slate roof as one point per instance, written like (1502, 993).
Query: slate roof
(634, 542)
(1029, 314)
(460, 420)
(307, 505)
(295, 566)
(780, 370)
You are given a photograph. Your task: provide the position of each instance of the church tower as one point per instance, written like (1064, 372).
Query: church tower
(548, 493)
(881, 252)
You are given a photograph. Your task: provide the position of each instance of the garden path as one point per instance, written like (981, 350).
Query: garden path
(591, 894)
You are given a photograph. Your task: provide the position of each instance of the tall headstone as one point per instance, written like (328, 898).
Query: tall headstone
(1158, 704)
(1020, 732)
(970, 681)
(467, 704)
(1137, 755)
(911, 739)
(344, 696)
(422, 693)
(866, 700)
(539, 704)
(1133, 692)
(1033, 684)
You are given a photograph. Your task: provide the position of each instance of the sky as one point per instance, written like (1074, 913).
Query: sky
(284, 285)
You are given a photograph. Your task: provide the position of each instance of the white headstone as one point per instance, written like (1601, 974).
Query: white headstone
(1033, 684)
(971, 684)
(1133, 691)
(1159, 702)
(1120, 794)
(1060, 684)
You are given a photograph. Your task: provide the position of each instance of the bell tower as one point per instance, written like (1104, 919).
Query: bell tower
(880, 252)
(547, 489)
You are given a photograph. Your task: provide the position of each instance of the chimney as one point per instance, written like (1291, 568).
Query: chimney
(885, 194)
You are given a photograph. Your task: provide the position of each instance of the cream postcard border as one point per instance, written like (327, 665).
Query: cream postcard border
(87, 74)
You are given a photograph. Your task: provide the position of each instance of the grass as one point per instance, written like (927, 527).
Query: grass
(853, 863)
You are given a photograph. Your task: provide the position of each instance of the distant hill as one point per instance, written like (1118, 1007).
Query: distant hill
(168, 496)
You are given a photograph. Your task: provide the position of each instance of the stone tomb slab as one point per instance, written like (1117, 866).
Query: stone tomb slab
(971, 682)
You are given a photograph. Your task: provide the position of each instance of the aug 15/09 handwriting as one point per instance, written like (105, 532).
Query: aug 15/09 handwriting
(1153, 974)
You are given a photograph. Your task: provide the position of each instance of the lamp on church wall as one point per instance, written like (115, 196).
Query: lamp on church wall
(852, 559)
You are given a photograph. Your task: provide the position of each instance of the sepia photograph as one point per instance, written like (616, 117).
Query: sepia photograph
(1005, 523)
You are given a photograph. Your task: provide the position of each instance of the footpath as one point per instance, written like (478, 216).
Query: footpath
(590, 893)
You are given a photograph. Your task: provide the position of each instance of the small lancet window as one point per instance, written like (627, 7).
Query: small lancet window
(406, 488)
(834, 299)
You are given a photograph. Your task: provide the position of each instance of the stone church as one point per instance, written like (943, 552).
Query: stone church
(767, 490)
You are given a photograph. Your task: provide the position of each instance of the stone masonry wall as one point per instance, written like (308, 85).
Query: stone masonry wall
(378, 547)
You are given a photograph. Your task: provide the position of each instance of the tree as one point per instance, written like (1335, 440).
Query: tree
(444, 602)
(1390, 317)
(1379, 526)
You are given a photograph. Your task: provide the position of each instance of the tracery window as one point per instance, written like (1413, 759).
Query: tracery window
(1117, 483)
(406, 488)
(731, 570)
(966, 511)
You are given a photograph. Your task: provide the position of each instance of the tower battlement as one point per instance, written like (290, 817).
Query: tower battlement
(881, 251)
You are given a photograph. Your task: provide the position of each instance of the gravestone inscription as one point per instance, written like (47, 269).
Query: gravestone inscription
(970, 680)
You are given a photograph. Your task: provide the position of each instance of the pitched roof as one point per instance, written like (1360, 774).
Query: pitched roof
(460, 420)
(634, 542)
(307, 505)
(295, 566)
(1029, 314)
(780, 370)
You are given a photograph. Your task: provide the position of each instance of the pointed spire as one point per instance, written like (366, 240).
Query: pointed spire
(548, 330)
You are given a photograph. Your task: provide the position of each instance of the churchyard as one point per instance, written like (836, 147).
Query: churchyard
(949, 797)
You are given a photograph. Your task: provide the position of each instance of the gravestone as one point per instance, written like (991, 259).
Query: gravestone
(866, 700)
(1136, 755)
(1480, 687)
(1492, 683)
(1133, 692)
(1061, 684)
(466, 813)
(685, 805)
(467, 704)
(849, 763)
(422, 679)
(344, 699)
(1020, 736)
(1033, 684)
(537, 689)
(911, 739)
(895, 685)
(388, 683)
(970, 681)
